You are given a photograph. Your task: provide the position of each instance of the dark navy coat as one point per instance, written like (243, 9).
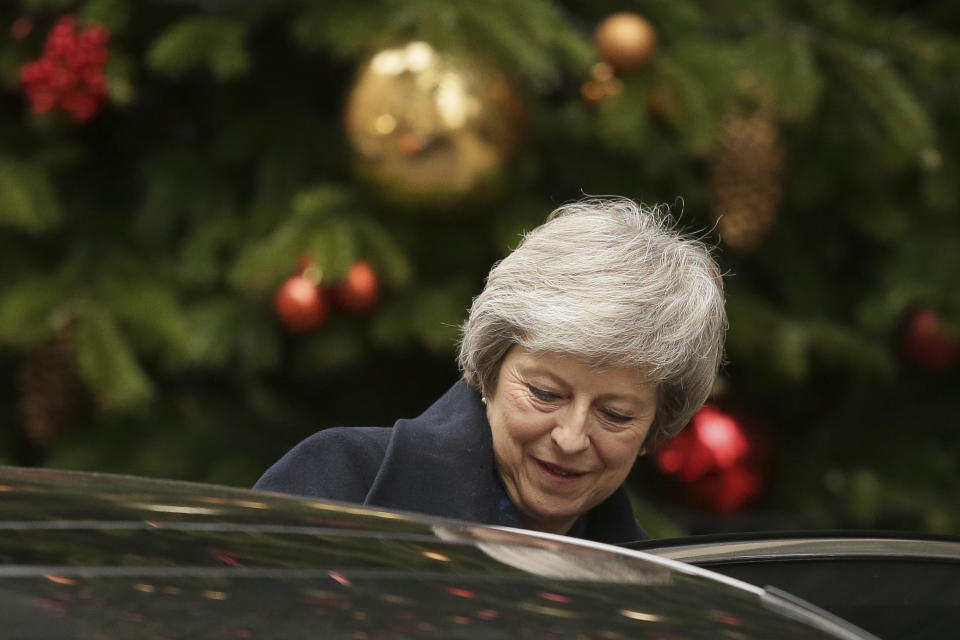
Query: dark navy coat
(440, 463)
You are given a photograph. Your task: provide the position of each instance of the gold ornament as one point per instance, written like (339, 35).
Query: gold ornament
(431, 129)
(625, 40)
(746, 174)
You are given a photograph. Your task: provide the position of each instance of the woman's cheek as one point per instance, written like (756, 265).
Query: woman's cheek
(529, 424)
(618, 450)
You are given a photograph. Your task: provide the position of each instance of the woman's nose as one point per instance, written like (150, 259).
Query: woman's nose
(570, 433)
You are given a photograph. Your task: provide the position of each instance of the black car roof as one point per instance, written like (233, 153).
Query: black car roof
(112, 556)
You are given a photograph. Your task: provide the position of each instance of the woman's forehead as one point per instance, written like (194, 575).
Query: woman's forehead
(574, 369)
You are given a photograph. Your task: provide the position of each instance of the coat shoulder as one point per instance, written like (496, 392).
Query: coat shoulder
(339, 463)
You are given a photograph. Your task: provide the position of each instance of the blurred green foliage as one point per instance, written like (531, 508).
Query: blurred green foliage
(157, 233)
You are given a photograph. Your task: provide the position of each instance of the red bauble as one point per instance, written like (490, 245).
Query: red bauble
(718, 464)
(300, 304)
(927, 343)
(360, 290)
(70, 75)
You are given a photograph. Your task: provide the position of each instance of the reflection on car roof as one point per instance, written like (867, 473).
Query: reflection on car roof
(130, 557)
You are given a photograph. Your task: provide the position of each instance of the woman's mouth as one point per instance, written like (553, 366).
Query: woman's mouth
(559, 472)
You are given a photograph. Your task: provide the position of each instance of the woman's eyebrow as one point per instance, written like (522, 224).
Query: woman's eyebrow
(539, 369)
(636, 402)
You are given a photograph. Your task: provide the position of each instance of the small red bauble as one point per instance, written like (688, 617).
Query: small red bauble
(927, 343)
(718, 465)
(69, 76)
(21, 28)
(360, 290)
(300, 305)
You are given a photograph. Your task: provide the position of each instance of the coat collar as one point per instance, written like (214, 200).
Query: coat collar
(441, 462)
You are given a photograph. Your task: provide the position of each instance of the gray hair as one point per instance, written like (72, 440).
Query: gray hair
(614, 283)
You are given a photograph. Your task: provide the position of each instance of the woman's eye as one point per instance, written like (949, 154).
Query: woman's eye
(619, 418)
(542, 394)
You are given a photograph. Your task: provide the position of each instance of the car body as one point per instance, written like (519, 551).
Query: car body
(897, 585)
(100, 556)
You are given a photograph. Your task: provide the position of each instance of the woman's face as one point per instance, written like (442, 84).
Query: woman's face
(565, 434)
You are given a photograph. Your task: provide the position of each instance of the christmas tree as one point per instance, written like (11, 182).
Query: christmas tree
(225, 225)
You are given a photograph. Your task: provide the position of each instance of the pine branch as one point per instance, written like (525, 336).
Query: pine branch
(198, 42)
(27, 198)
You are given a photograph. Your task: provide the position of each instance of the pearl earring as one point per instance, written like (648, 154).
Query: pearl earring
(483, 399)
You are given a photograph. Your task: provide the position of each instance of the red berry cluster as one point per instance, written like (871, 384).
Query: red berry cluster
(69, 75)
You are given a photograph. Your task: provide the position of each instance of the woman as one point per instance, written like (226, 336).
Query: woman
(592, 343)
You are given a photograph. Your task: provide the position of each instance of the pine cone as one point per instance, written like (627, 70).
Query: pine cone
(50, 388)
(746, 173)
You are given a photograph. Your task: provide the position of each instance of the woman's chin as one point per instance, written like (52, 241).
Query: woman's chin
(549, 516)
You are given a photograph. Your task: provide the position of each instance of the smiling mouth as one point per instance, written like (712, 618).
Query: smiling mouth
(557, 470)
